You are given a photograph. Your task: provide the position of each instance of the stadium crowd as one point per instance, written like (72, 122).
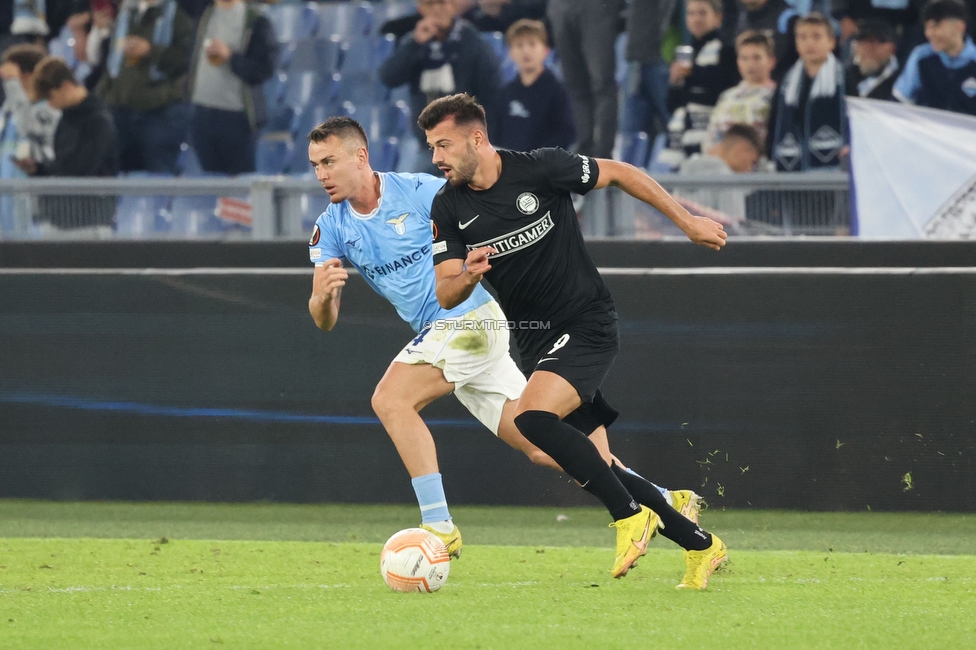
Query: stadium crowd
(102, 87)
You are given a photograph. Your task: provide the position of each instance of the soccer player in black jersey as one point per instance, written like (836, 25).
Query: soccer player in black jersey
(508, 217)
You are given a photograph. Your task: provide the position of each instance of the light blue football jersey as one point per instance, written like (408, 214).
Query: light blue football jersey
(391, 247)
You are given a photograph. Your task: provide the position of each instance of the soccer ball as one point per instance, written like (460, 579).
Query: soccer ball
(415, 560)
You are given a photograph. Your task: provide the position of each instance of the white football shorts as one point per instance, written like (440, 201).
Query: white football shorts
(472, 351)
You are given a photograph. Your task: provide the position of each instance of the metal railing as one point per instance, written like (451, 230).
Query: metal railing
(277, 207)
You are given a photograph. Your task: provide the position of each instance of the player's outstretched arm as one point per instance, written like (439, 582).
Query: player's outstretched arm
(327, 285)
(639, 185)
(456, 279)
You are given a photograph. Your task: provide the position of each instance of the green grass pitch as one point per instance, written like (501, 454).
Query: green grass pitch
(114, 575)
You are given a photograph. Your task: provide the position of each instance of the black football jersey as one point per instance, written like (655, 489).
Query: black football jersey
(542, 272)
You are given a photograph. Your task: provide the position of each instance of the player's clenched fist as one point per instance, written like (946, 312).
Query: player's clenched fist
(477, 261)
(329, 278)
(705, 232)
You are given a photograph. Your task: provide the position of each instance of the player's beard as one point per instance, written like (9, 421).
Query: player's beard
(463, 173)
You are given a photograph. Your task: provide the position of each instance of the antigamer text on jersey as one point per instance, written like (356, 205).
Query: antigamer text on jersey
(521, 238)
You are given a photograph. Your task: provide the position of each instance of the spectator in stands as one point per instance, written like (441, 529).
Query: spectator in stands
(695, 85)
(499, 15)
(585, 32)
(234, 55)
(145, 84)
(898, 14)
(942, 74)
(29, 19)
(777, 18)
(808, 122)
(443, 55)
(533, 110)
(646, 89)
(27, 124)
(738, 152)
(873, 71)
(98, 39)
(84, 145)
(749, 102)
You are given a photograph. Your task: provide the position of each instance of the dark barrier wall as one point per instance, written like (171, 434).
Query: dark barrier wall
(778, 252)
(808, 390)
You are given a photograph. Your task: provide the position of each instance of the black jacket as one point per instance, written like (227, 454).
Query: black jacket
(879, 87)
(84, 145)
(84, 142)
(474, 64)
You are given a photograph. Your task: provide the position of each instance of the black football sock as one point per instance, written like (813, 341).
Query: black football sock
(579, 458)
(679, 529)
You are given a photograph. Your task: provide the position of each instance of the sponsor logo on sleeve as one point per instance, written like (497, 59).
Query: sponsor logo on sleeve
(585, 178)
(440, 247)
(315, 254)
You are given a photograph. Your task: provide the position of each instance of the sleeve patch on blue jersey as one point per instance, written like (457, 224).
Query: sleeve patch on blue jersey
(315, 254)
(316, 234)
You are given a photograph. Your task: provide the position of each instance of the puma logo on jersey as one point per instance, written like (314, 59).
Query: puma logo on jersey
(398, 223)
(518, 239)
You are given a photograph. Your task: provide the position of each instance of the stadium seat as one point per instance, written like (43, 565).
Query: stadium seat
(632, 148)
(394, 119)
(497, 42)
(384, 154)
(315, 55)
(274, 89)
(409, 154)
(275, 152)
(311, 88)
(193, 216)
(620, 50)
(365, 55)
(293, 22)
(140, 216)
(391, 10)
(361, 89)
(348, 20)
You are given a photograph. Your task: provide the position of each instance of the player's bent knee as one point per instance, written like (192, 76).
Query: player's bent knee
(541, 458)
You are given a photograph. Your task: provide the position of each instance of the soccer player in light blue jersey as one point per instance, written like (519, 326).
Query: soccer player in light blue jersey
(380, 224)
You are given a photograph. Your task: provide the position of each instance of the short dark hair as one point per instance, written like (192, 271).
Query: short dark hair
(527, 28)
(716, 5)
(746, 133)
(341, 127)
(50, 74)
(755, 37)
(25, 56)
(464, 108)
(939, 10)
(816, 18)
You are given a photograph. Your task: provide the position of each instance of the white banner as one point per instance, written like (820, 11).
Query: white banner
(914, 171)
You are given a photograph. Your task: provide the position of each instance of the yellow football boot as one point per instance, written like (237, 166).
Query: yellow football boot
(701, 564)
(687, 503)
(452, 540)
(633, 534)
